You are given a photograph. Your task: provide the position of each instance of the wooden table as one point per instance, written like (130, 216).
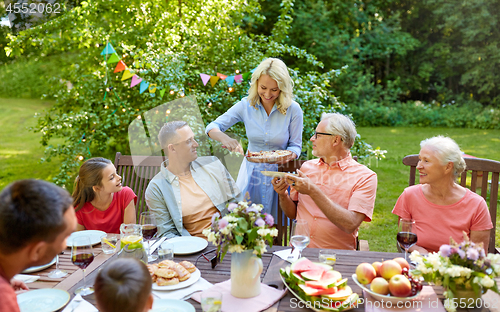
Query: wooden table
(347, 262)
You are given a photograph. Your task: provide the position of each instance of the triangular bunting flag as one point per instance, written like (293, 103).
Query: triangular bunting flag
(238, 78)
(108, 49)
(204, 78)
(213, 80)
(126, 75)
(253, 70)
(152, 88)
(120, 66)
(246, 75)
(230, 80)
(221, 76)
(113, 58)
(162, 92)
(144, 86)
(135, 80)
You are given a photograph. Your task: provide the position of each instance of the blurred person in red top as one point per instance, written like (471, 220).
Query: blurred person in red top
(36, 218)
(100, 200)
(334, 193)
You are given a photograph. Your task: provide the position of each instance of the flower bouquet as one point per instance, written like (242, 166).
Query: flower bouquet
(243, 228)
(459, 268)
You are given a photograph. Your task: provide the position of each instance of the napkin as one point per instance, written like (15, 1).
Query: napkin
(268, 297)
(26, 278)
(283, 254)
(426, 301)
(183, 293)
(81, 305)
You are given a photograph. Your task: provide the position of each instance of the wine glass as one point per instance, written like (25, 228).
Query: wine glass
(406, 234)
(300, 235)
(149, 230)
(57, 273)
(81, 256)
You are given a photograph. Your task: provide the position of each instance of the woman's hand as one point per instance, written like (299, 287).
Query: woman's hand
(280, 186)
(232, 145)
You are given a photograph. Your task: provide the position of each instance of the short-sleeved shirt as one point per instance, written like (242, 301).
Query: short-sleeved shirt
(8, 298)
(110, 219)
(435, 224)
(347, 183)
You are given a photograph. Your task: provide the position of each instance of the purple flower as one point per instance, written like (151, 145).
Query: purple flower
(454, 250)
(223, 223)
(445, 250)
(231, 207)
(472, 254)
(260, 222)
(269, 219)
(252, 209)
(461, 253)
(216, 215)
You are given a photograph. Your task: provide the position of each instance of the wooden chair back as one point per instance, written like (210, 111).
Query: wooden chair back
(480, 169)
(136, 172)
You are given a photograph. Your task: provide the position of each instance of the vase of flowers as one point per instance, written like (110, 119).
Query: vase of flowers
(464, 271)
(244, 232)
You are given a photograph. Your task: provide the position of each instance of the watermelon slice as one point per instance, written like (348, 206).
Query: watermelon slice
(329, 279)
(313, 275)
(301, 265)
(309, 291)
(341, 295)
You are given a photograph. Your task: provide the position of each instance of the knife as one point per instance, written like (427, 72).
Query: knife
(157, 244)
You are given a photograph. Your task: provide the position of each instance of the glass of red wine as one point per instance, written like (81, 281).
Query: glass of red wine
(406, 234)
(149, 230)
(81, 256)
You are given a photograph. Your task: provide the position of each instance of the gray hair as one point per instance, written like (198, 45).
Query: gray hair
(168, 132)
(339, 124)
(447, 150)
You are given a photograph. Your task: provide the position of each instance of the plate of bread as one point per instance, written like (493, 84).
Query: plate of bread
(169, 275)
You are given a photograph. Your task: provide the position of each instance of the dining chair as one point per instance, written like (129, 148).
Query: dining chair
(488, 169)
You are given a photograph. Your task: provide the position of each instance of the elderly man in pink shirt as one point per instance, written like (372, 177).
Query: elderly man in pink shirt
(334, 193)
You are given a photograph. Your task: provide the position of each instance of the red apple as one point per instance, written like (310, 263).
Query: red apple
(376, 265)
(400, 286)
(380, 285)
(390, 268)
(365, 273)
(402, 262)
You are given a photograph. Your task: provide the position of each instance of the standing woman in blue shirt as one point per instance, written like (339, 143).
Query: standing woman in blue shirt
(273, 121)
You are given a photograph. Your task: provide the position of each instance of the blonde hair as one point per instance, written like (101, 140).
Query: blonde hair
(447, 150)
(276, 69)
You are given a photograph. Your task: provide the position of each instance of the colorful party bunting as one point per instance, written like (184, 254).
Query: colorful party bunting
(135, 80)
(162, 92)
(246, 75)
(213, 80)
(127, 74)
(108, 49)
(113, 58)
(230, 80)
(205, 78)
(253, 70)
(151, 89)
(144, 86)
(120, 66)
(238, 78)
(221, 76)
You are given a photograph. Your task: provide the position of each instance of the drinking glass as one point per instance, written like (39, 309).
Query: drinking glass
(81, 256)
(327, 256)
(166, 252)
(149, 230)
(300, 235)
(211, 301)
(57, 273)
(109, 243)
(406, 234)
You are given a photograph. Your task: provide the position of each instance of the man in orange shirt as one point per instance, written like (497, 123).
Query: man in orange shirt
(334, 193)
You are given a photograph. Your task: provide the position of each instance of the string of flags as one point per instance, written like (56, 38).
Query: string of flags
(152, 87)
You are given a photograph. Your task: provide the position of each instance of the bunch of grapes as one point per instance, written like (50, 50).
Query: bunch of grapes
(416, 285)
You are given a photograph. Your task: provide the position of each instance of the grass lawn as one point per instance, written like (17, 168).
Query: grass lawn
(20, 149)
(393, 176)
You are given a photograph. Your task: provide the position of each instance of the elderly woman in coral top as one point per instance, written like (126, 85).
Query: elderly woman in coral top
(440, 207)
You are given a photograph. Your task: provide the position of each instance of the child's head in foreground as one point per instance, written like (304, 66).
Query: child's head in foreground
(124, 285)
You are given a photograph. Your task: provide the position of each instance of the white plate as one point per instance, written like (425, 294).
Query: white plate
(277, 174)
(171, 305)
(186, 245)
(43, 300)
(40, 267)
(305, 303)
(195, 276)
(380, 297)
(95, 236)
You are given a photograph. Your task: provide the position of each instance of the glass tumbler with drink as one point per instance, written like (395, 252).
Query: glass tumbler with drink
(300, 235)
(149, 230)
(109, 242)
(82, 256)
(406, 234)
(327, 256)
(211, 301)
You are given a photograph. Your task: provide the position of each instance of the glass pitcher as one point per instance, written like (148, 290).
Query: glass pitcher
(131, 243)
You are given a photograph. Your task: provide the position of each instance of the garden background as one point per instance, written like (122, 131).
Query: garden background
(404, 70)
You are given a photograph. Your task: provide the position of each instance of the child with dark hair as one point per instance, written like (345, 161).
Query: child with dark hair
(124, 285)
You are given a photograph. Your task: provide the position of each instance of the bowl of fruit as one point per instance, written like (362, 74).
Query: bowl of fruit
(390, 280)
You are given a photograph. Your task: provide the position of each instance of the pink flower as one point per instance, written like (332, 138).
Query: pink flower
(231, 207)
(216, 215)
(269, 219)
(472, 254)
(223, 223)
(259, 222)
